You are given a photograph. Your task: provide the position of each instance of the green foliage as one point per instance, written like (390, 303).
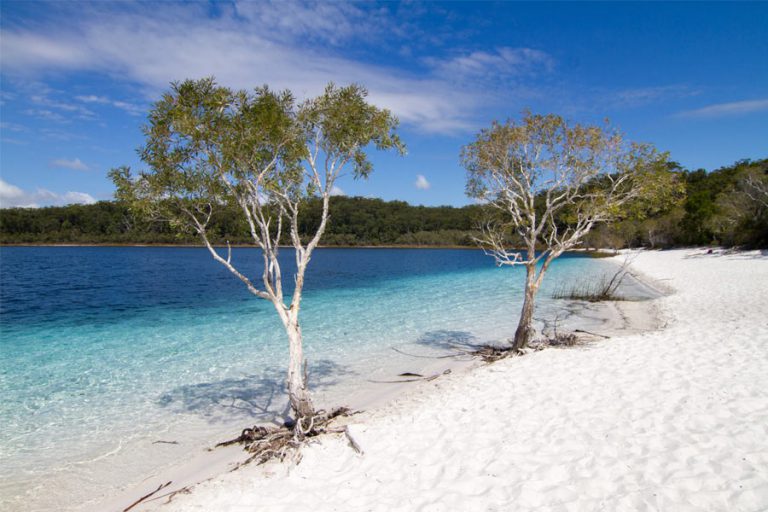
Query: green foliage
(204, 145)
(740, 213)
(548, 182)
(660, 189)
(715, 205)
(210, 148)
(717, 210)
(348, 124)
(357, 221)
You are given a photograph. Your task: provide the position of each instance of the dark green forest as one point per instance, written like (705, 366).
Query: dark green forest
(727, 206)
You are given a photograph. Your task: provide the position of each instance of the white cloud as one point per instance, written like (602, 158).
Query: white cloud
(46, 101)
(75, 164)
(103, 100)
(44, 113)
(16, 142)
(637, 97)
(337, 191)
(77, 197)
(12, 196)
(333, 22)
(9, 192)
(421, 182)
(727, 109)
(132, 109)
(175, 43)
(504, 61)
(92, 98)
(12, 127)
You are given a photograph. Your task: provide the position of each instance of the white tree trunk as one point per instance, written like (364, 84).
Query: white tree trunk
(298, 394)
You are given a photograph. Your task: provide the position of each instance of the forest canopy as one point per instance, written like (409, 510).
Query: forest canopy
(727, 206)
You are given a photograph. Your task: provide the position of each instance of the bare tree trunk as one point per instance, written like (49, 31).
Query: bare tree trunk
(525, 330)
(298, 394)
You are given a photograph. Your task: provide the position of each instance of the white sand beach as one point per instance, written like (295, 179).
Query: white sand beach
(670, 419)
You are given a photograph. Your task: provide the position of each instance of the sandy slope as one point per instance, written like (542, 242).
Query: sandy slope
(675, 419)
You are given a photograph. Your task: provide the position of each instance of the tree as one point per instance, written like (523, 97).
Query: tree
(741, 206)
(755, 186)
(548, 183)
(209, 148)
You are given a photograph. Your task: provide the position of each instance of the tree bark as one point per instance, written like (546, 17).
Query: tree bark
(525, 331)
(298, 394)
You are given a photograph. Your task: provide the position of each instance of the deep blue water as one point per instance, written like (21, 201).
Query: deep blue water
(71, 286)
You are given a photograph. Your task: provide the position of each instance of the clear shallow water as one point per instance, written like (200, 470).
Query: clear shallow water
(104, 351)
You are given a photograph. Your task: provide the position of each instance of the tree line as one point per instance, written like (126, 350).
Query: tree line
(717, 207)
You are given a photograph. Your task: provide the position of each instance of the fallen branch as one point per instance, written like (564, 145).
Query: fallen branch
(491, 354)
(162, 486)
(457, 354)
(183, 490)
(355, 446)
(592, 333)
(418, 378)
(395, 381)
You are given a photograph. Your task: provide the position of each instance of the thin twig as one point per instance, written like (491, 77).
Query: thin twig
(592, 333)
(457, 354)
(431, 377)
(162, 486)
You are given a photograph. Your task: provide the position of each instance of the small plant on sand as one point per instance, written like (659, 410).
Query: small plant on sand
(603, 288)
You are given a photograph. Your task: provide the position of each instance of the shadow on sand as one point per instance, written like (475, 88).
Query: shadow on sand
(449, 340)
(253, 397)
(738, 254)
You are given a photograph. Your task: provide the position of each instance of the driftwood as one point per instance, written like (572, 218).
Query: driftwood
(171, 495)
(417, 377)
(446, 356)
(592, 333)
(558, 340)
(354, 444)
(491, 354)
(268, 443)
(161, 487)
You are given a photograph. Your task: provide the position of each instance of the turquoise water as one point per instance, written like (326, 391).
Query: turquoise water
(104, 351)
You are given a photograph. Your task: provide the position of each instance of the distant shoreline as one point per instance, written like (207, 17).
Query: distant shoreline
(200, 246)
(594, 252)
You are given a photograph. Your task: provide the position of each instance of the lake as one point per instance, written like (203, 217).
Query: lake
(106, 350)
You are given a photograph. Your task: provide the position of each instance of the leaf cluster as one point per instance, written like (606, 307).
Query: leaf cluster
(208, 146)
(550, 181)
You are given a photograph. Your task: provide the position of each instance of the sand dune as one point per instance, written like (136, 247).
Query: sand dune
(673, 419)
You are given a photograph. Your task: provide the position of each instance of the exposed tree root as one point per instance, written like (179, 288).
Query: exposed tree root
(491, 354)
(268, 443)
(568, 339)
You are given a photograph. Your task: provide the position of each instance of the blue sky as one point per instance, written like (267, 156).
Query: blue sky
(78, 78)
